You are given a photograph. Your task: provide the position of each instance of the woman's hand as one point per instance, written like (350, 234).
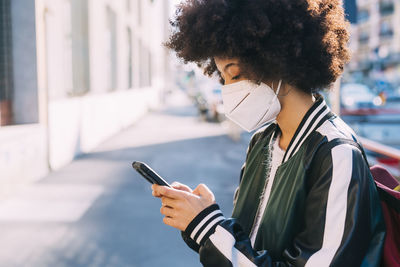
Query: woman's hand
(182, 187)
(180, 204)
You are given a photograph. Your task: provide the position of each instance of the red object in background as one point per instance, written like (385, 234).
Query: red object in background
(390, 202)
(5, 112)
(389, 161)
(369, 111)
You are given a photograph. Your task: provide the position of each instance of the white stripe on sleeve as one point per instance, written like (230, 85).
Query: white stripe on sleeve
(225, 243)
(342, 160)
(211, 224)
(195, 230)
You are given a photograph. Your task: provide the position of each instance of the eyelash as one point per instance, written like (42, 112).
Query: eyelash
(222, 80)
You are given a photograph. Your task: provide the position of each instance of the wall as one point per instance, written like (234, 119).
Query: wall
(23, 152)
(79, 125)
(72, 114)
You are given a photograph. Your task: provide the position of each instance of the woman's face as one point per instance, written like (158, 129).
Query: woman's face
(229, 70)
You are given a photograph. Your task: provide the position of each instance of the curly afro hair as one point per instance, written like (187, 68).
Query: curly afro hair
(303, 42)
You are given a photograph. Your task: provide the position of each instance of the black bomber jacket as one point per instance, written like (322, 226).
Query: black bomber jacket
(323, 209)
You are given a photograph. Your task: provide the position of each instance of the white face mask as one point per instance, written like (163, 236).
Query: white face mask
(250, 105)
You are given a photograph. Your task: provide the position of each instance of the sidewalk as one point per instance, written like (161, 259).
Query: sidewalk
(98, 212)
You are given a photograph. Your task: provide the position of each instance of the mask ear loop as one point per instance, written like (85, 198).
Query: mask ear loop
(279, 87)
(259, 81)
(272, 86)
(277, 90)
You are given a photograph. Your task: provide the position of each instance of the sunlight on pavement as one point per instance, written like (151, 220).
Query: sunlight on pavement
(50, 203)
(178, 122)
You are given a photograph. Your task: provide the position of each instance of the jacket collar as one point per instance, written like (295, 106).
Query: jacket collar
(315, 116)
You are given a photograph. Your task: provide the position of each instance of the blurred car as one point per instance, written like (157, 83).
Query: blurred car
(388, 91)
(356, 97)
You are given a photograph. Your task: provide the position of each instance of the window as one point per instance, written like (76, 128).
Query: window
(149, 71)
(67, 47)
(80, 47)
(386, 29)
(363, 37)
(362, 15)
(18, 76)
(128, 6)
(111, 49)
(145, 70)
(142, 68)
(386, 7)
(139, 12)
(130, 58)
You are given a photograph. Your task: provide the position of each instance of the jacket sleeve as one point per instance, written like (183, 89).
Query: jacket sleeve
(342, 221)
(254, 139)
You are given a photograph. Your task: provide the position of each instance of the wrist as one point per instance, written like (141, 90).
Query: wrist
(203, 225)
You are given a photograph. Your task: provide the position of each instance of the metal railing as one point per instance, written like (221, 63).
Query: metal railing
(380, 149)
(384, 150)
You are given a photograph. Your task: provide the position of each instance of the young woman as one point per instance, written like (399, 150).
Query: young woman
(306, 196)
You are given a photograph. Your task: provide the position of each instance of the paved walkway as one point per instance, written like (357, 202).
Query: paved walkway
(98, 212)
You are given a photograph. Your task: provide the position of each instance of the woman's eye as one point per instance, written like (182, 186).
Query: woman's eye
(236, 77)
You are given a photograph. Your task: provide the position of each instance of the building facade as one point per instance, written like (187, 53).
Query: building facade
(74, 73)
(375, 40)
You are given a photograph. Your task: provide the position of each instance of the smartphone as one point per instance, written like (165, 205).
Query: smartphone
(150, 175)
